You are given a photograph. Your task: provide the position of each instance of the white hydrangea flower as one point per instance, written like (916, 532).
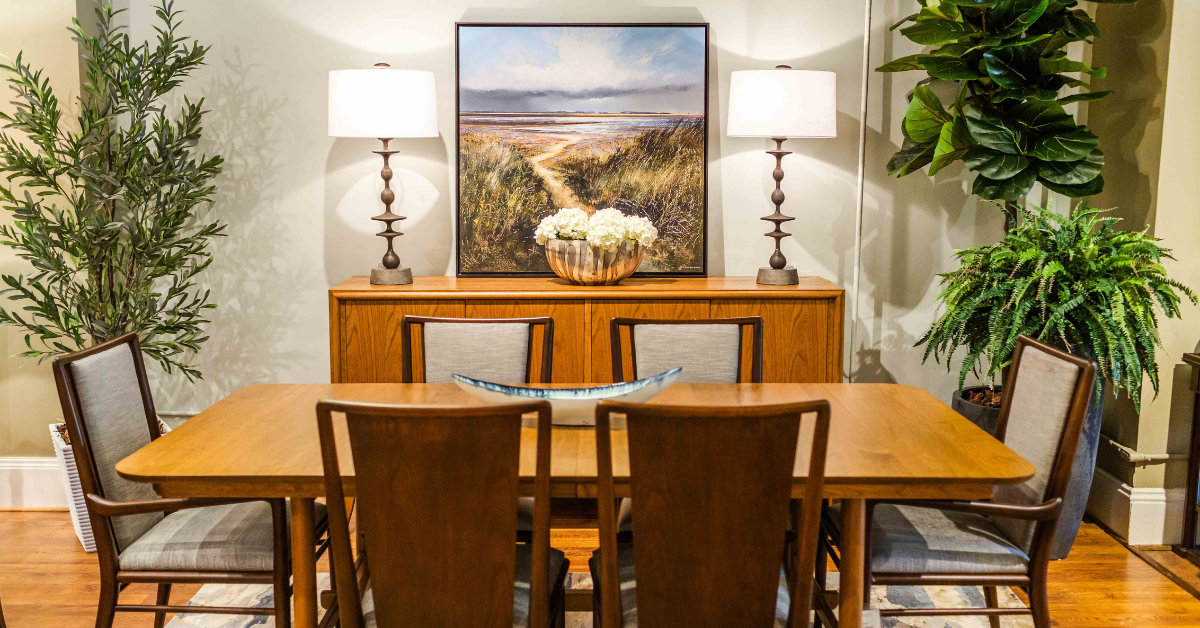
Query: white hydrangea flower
(566, 224)
(572, 223)
(640, 229)
(606, 229)
(546, 229)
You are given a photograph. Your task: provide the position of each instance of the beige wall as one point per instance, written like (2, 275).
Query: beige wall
(1165, 423)
(298, 202)
(28, 401)
(1149, 134)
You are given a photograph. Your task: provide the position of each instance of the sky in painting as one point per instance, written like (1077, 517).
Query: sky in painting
(609, 69)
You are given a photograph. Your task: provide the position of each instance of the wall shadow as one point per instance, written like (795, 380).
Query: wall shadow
(352, 188)
(251, 284)
(1130, 122)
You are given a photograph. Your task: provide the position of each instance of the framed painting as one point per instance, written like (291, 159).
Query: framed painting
(592, 116)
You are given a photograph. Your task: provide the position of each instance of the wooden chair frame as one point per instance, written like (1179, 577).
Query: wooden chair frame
(350, 579)
(1045, 514)
(547, 362)
(101, 510)
(754, 322)
(805, 515)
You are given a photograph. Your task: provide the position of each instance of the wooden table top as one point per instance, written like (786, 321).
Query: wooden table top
(886, 441)
(439, 287)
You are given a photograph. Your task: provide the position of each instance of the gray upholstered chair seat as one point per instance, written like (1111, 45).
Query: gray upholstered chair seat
(521, 592)
(233, 537)
(625, 569)
(908, 539)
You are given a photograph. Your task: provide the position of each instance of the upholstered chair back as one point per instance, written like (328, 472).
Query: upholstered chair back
(113, 414)
(493, 352)
(1042, 394)
(707, 353)
(710, 351)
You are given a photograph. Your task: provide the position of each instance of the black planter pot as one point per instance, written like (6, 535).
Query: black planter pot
(1076, 498)
(983, 416)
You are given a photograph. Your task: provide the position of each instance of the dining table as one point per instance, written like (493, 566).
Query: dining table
(886, 441)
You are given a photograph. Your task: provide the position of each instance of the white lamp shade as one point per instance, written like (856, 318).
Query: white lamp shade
(782, 103)
(382, 103)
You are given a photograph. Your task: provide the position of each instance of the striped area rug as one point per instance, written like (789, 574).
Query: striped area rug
(884, 597)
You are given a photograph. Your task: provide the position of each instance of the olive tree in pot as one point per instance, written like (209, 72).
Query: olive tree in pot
(1073, 281)
(106, 201)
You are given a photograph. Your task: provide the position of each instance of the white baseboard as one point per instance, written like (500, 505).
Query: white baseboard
(1143, 516)
(31, 483)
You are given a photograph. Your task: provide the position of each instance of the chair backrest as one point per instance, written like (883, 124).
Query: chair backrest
(1045, 402)
(709, 350)
(437, 510)
(711, 488)
(109, 414)
(497, 350)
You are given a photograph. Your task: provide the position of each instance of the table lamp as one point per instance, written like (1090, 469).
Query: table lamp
(385, 104)
(781, 104)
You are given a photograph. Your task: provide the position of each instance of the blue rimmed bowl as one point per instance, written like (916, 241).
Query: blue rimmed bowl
(571, 406)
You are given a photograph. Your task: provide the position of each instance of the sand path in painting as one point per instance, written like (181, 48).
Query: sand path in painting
(561, 193)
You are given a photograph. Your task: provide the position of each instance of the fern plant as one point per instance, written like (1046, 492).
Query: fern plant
(1072, 281)
(106, 201)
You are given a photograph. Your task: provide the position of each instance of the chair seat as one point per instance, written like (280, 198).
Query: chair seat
(909, 539)
(233, 537)
(524, 514)
(521, 592)
(625, 573)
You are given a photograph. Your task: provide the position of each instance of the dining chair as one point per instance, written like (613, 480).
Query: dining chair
(141, 538)
(709, 350)
(1005, 541)
(711, 488)
(497, 350)
(436, 508)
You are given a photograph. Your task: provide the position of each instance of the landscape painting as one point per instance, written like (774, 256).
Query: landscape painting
(588, 116)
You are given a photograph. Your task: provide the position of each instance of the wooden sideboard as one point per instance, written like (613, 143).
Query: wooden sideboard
(802, 328)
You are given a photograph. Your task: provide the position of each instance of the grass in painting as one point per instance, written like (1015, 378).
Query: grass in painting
(659, 174)
(502, 199)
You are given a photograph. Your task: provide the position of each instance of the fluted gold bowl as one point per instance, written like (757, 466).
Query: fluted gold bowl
(581, 263)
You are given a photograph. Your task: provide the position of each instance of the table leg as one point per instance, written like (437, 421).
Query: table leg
(304, 564)
(850, 580)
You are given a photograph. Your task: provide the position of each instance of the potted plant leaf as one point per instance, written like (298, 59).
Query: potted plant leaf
(106, 203)
(1006, 122)
(1005, 63)
(1076, 282)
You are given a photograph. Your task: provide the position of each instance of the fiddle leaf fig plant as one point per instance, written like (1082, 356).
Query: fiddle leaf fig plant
(106, 200)
(1072, 281)
(1006, 121)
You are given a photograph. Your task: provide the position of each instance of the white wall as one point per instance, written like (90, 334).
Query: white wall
(298, 202)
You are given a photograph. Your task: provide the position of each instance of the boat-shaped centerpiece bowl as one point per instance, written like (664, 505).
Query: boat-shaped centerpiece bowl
(570, 406)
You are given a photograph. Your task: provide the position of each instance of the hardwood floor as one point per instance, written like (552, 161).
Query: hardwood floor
(46, 579)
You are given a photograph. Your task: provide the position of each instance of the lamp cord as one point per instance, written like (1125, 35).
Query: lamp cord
(862, 184)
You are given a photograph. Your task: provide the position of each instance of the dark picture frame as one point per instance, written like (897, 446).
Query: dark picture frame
(701, 269)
